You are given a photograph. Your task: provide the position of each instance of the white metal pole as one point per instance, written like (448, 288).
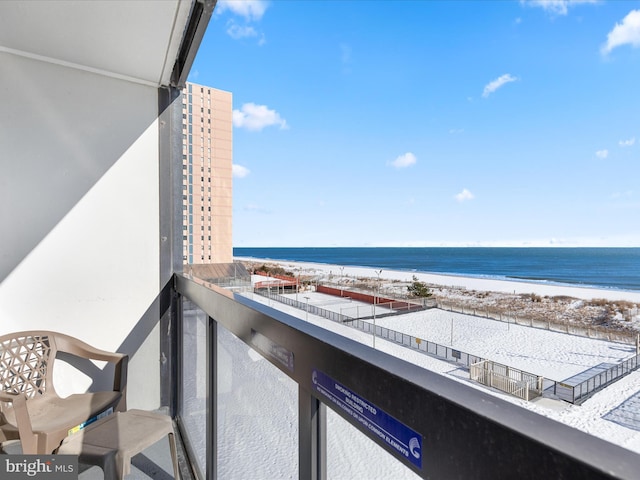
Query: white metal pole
(451, 343)
(375, 301)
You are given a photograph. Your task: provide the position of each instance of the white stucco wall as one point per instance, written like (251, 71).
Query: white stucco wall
(79, 214)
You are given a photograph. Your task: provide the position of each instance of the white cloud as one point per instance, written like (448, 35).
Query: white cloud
(604, 153)
(627, 143)
(238, 171)
(556, 7)
(627, 32)
(251, 10)
(497, 83)
(256, 117)
(464, 195)
(236, 31)
(404, 161)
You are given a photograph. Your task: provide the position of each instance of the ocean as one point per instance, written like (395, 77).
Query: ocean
(611, 268)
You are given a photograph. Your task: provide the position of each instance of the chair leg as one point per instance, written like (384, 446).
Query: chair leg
(174, 456)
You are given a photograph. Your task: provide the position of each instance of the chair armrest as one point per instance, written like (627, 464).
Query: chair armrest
(28, 440)
(74, 346)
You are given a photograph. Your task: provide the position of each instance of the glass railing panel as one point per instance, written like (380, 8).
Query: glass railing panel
(193, 391)
(257, 415)
(350, 454)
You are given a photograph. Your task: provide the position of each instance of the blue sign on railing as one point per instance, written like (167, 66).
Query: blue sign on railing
(403, 440)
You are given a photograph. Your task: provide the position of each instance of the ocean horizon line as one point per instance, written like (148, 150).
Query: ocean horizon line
(612, 268)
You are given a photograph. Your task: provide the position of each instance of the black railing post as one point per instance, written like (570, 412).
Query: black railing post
(312, 433)
(212, 399)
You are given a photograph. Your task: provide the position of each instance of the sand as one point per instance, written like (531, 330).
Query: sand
(470, 283)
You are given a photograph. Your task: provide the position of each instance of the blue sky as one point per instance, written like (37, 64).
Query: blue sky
(427, 123)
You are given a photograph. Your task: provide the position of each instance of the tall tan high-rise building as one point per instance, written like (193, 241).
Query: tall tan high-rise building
(207, 175)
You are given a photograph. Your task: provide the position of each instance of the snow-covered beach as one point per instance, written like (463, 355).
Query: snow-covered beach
(470, 283)
(612, 414)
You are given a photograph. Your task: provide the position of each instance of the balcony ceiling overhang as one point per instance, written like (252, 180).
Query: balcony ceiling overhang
(134, 40)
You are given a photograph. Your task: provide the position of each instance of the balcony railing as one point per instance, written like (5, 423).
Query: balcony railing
(265, 394)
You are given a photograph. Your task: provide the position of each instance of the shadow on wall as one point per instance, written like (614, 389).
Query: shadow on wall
(101, 378)
(64, 129)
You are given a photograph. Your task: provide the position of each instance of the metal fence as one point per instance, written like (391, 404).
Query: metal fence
(571, 393)
(321, 312)
(429, 348)
(562, 327)
(582, 391)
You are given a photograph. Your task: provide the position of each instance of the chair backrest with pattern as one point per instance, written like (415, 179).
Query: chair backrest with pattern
(25, 363)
